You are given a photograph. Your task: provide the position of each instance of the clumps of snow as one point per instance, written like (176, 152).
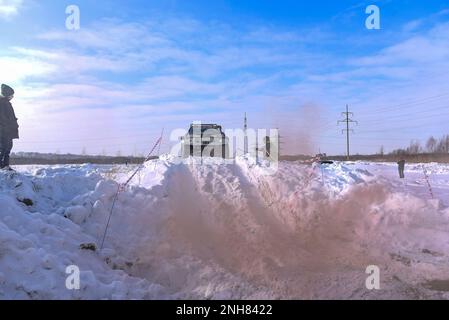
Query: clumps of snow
(431, 168)
(78, 214)
(38, 243)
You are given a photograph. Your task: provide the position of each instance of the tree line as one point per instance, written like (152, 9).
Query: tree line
(432, 145)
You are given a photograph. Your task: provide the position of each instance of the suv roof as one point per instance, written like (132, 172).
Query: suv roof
(208, 125)
(204, 127)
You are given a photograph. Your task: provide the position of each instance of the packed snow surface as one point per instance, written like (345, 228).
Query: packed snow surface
(209, 230)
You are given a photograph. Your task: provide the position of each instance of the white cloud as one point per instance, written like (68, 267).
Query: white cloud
(9, 8)
(413, 25)
(17, 69)
(181, 45)
(110, 35)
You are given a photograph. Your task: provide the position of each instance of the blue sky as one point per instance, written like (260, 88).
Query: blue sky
(137, 66)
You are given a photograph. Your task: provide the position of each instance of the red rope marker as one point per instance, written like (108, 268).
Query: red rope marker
(122, 186)
(427, 180)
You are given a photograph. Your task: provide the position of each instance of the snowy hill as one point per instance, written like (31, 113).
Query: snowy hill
(224, 231)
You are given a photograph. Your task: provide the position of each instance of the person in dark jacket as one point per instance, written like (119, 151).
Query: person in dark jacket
(401, 167)
(9, 128)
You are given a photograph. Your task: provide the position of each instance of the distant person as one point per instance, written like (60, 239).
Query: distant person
(267, 147)
(9, 129)
(401, 167)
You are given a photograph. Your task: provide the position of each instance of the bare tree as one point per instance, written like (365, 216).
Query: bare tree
(431, 144)
(399, 152)
(382, 150)
(443, 144)
(414, 147)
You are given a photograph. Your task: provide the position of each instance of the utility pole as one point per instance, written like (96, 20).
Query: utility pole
(279, 142)
(245, 130)
(348, 120)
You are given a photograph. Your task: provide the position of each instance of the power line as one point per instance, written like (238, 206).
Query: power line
(413, 127)
(410, 113)
(410, 116)
(415, 102)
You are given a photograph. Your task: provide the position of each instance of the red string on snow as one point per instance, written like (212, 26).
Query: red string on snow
(427, 180)
(121, 187)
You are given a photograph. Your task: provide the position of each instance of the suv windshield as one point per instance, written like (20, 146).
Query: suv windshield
(203, 128)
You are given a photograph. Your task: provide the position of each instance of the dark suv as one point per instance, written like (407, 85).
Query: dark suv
(205, 140)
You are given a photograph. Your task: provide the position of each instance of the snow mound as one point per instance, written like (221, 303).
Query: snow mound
(40, 240)
(210, 229)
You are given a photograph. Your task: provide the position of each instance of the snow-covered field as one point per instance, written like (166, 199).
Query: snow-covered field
(215, 231)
